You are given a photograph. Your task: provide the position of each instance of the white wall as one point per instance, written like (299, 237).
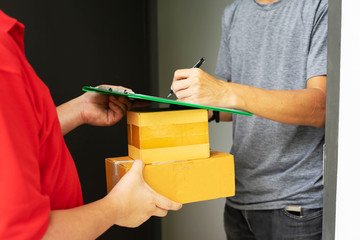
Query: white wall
(187, 31)
(348, 190)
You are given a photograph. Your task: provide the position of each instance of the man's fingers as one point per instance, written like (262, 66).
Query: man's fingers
(114, 100)
(181, 74)
(186, 73)
(180, 85)
(121, 102)
(124, 100)
(166, 204)
(118, 86)
(160, 212)
(182, 94)
(118, 110)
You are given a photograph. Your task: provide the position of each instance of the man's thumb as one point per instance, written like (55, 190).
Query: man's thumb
(138, 166)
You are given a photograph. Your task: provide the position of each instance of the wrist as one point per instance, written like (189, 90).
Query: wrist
(234, 95)
(226, 95)
(79, 110)
(119, 201)
(69, 115)
(79, 117)
(113, 205)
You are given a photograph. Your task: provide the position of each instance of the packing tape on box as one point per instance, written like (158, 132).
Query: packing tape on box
(116, 175)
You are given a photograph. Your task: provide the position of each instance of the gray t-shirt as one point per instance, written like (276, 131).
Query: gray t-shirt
(275, 46)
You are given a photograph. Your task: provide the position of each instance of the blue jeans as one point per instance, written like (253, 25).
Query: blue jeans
(277, 224)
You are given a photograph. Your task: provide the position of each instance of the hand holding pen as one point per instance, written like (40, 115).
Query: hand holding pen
(197, 65)
(198, 87)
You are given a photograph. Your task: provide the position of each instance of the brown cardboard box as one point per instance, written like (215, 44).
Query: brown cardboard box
(182, 181)
(158, 136)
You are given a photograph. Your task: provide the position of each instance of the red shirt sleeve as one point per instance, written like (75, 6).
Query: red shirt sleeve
(37, 173)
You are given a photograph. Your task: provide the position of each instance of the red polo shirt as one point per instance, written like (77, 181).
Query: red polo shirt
(37, 172)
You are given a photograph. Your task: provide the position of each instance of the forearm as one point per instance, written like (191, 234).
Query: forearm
(85, 222)
(300, 107)
(70, 115)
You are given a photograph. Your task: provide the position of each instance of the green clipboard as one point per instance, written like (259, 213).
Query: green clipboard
(130, 94)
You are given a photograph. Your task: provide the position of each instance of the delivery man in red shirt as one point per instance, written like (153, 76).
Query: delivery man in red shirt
(40, 193)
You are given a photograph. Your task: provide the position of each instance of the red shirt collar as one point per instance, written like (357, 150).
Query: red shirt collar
(6, 22)
(13, 27)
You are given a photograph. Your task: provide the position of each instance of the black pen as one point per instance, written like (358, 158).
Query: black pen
(197, 65)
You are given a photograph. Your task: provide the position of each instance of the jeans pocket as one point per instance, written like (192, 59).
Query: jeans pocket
(307, 214)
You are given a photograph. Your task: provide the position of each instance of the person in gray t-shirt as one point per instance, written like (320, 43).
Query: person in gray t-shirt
(274, 55)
